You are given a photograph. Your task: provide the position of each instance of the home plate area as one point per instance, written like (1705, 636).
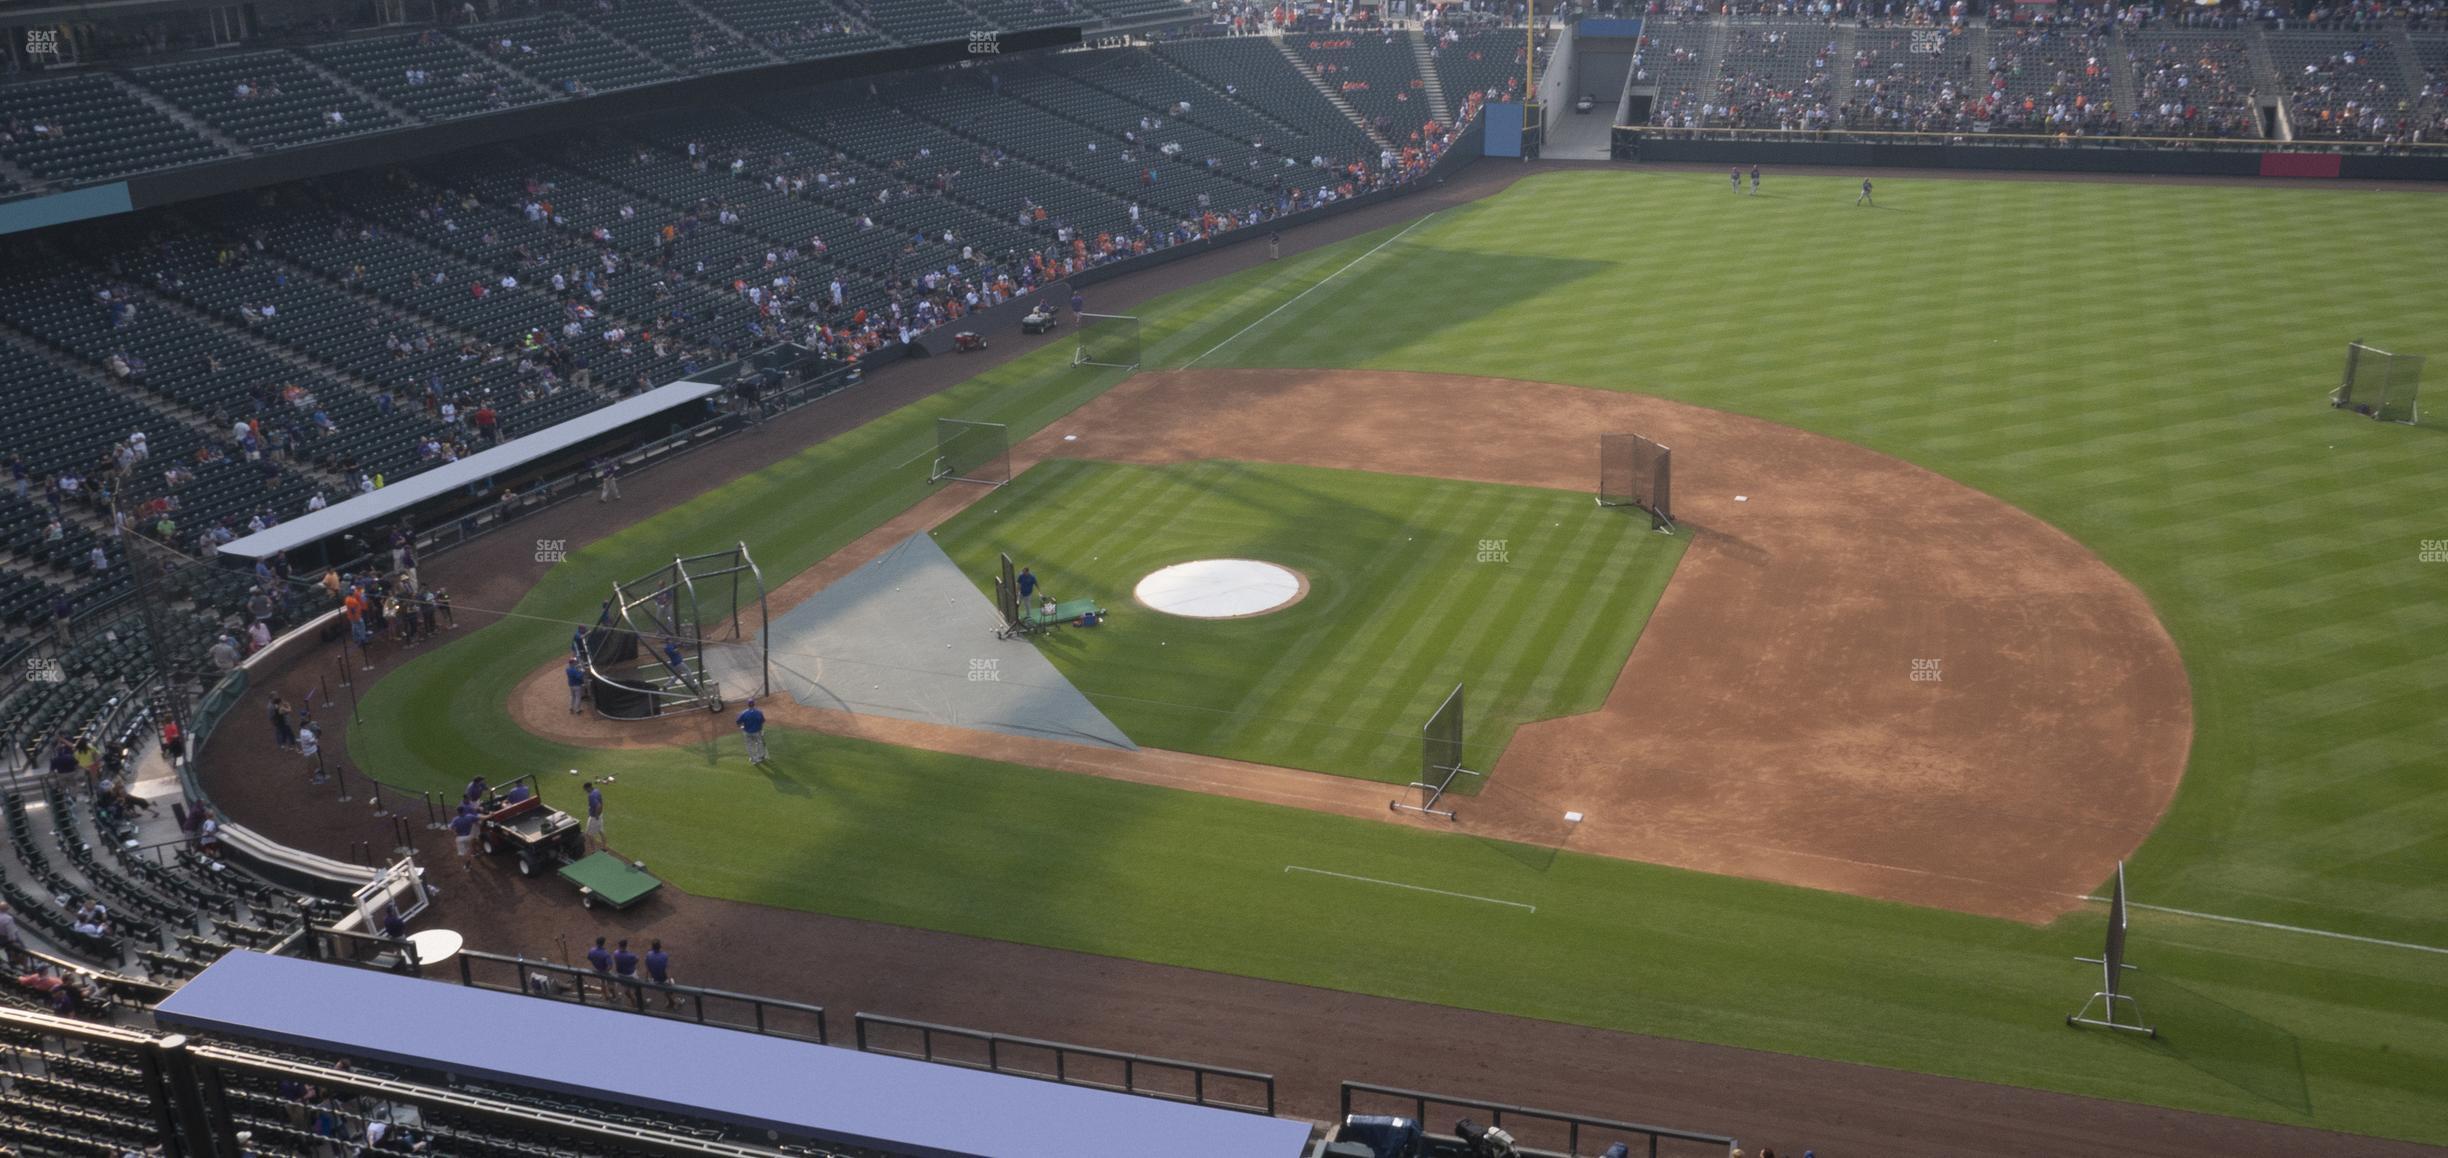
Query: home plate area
(909, 637)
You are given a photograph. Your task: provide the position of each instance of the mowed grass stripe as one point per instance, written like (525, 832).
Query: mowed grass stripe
(2195, 329)
(1399, 603)
(1392, 649)
(1447, 602)
(1521, 669)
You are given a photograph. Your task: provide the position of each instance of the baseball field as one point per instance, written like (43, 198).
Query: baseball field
(2063, 443)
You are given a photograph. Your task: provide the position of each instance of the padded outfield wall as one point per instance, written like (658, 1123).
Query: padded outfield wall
(2225, 159)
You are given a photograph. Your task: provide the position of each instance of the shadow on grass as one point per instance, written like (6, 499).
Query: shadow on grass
(783, 782)
(2221, 1041)
(1536, 858)
(1358, 321)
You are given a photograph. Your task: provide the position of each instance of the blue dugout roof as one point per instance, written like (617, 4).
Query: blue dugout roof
(822, 1092)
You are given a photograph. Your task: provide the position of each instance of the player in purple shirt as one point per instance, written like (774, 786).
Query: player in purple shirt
(658, 970)
(463, 834)
(624, 966)
(594, 830)
(601, 959)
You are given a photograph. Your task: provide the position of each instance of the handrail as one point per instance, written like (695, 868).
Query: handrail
(209, 1057)
(996, 1043)
(577, 984)
(114, 985)
(1499, 1113)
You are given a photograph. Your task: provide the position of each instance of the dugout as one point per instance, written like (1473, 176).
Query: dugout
(757, 1090)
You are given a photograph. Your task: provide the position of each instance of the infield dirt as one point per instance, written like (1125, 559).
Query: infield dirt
(1864, 677)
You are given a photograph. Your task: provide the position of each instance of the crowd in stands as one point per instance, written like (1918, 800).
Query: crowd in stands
(1928, 70)
(2193, 87)
(2349, 85)
(1866, 13)
(2049, 79)
(1775, 78)
(265, 356)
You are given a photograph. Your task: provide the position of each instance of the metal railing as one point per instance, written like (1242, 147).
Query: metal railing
(556, 489)
(552, 981)
(994, 1052)
(133, 1088)
(1538, 1132)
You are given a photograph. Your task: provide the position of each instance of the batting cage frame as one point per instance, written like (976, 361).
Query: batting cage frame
(1634, 471)
(971, 451)
(2386, 386)
(1441, 740)
(693, 604)
(1107, 340)
(2112, 974)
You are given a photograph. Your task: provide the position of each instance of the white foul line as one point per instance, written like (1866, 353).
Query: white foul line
(1294, 868)
(1305, 293)
(2277, 926)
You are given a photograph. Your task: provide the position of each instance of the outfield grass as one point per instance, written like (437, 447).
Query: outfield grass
(2141, 366)
(1405, 601)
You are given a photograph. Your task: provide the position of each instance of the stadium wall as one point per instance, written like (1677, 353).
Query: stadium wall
(1635, 145)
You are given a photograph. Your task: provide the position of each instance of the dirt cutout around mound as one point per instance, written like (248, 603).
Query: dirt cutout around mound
(1864, 677)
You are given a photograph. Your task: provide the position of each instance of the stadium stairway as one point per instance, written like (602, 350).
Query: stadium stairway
(2322, 87)
(380, 64)
(1079, 198)
(1713, 54)
(561, 52)
(187, 120)
(2409, 58)
(341, 81)
(2122, 86)
(305, 367)
(715, 21)
(2266, 79)
(1332, 97)
(1432, 86)
(406, 246)
(686, 35)
(288, 102)
(15, 343)
(769, 147)
(788, 27)
(1840, 69)
(1251, 74)
(1061, 97)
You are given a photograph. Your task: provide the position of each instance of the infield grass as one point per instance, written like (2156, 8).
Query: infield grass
(2142, 366)
(1534, 597)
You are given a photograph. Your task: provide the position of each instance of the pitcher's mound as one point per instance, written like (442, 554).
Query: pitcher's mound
(1221, 588)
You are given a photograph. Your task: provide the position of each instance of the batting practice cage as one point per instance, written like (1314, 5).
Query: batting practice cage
(1637, 472)
(1107, 340)
(2379, 383)
(965, 451)
(1440, 760)
(671, 639)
